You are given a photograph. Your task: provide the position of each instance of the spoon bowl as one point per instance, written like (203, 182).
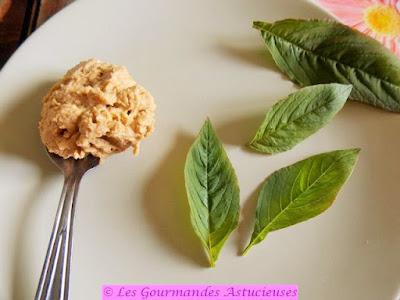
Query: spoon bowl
(71, 165)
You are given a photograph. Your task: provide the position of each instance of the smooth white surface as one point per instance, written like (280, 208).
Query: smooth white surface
(198, 58)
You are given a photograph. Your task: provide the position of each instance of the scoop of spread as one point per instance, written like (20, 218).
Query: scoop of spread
(96, 108)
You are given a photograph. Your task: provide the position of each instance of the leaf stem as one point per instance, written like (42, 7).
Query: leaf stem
(212, 263)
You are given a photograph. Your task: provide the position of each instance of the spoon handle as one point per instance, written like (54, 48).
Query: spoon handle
(54, 279)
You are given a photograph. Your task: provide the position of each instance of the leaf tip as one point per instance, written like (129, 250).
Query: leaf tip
(207, 124)
(339, 88)
(353, 150)
(260, 25)
(347, 88)
(256, 24)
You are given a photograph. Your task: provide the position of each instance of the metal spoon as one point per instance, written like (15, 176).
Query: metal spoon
(54, 280)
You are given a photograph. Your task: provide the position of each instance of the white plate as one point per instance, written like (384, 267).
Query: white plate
(198, 58)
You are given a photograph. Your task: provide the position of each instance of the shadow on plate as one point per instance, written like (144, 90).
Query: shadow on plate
(239, 131)
(166, 207)
(259, 57)
(19, 137)
(376, 209)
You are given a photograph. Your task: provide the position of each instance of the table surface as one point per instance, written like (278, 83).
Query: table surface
(19, 18)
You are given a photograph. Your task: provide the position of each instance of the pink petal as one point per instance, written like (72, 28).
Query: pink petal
(361, 26)
(350, 19)
(388, 2)
(394, 3)
(350, 12)
(395, 46)
(372, 34)
(333, 5)
(397, 5)
(392, 46)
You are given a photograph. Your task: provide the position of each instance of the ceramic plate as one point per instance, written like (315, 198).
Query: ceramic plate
(198, 59)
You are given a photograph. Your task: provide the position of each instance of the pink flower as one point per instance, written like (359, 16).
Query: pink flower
(379, 19)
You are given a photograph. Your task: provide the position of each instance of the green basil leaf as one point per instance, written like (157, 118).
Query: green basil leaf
(298, 116)
(212, 190)
(301, 191)
(316, 51)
